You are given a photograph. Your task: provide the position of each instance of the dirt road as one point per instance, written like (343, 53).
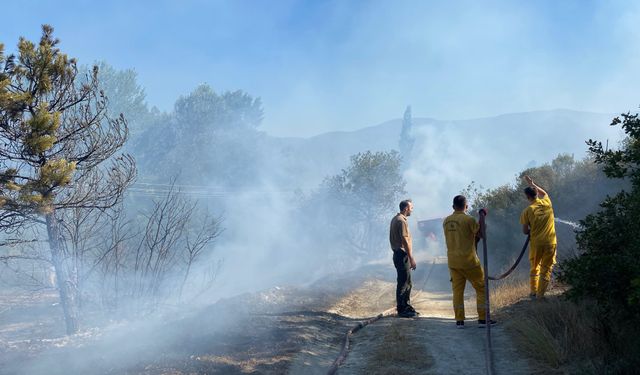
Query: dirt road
(430, 344)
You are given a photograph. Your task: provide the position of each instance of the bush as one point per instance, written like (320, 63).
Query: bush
(607, 268)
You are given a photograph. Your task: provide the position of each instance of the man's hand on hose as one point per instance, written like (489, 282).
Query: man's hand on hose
(412, 262)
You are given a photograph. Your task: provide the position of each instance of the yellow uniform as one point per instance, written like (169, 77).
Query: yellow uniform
(460, 232)
(542, 249)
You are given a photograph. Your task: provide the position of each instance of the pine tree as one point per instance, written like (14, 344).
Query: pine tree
(406, 138)
(55, 137)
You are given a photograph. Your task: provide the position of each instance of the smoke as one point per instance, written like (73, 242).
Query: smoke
(449, 155)
(260, 248)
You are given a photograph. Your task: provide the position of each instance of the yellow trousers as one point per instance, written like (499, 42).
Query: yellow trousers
(459, 279)
(542, 259)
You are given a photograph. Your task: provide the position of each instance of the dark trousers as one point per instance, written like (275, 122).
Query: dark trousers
(403, 289)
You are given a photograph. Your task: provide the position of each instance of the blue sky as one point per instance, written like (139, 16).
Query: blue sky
(340, 65)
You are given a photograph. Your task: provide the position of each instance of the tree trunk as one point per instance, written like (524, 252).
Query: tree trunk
(66, 286)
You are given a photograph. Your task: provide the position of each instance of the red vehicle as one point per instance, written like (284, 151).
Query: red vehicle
(431, 229)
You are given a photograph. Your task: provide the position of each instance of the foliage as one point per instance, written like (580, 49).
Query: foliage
(608, 270)
(204, 110)
(126, 95)
(352, 209)
(208, 136)
(55, 135)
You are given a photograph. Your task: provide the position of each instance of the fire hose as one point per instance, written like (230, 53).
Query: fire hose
(524, 248)
(488, 352)
(483, 233)
(345, 344)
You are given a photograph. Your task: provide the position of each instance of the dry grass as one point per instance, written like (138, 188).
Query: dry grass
(245, 366)
(359, 303)
(556, 333)
(507, 292)
(398, 352)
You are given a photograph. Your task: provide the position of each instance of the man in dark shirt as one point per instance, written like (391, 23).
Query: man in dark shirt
(400, 241)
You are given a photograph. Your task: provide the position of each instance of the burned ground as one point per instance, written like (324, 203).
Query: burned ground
(295, 330)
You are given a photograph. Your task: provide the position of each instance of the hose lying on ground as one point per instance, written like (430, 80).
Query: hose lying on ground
(345, 345)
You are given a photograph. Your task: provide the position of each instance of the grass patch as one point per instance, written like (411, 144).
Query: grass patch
(507, 292)
(400, 352)
(559, 335)
(557, 332)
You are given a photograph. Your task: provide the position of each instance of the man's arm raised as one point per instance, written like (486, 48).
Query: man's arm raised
(539, 190)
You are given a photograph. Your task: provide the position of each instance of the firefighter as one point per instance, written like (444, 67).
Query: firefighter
(462, 233)
(538, 222)
(400, 241)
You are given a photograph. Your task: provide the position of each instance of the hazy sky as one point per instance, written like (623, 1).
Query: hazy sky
(341, 65)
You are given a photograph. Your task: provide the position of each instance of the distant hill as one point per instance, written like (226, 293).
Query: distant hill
(448, 154)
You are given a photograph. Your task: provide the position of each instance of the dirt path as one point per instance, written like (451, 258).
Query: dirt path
(430, 344)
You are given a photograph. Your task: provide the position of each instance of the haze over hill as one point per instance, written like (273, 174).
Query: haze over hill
(449, 154)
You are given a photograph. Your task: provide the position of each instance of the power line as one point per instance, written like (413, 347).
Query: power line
(150, 192)
(206, 187)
